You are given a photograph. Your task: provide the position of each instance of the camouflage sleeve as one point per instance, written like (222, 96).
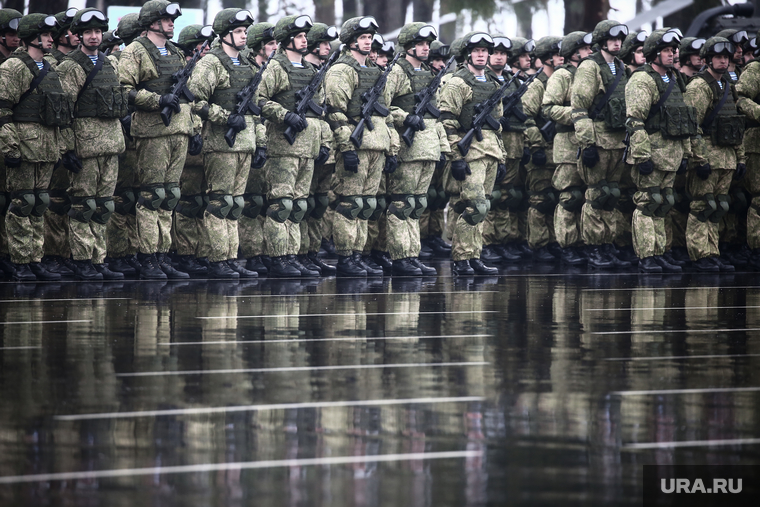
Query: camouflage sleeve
(274, 81)
(640, 95)
(197, 124)
(444, 143)
(531, 102)
(395, 86)
(208, 74)
(454, 95)
(748, 88)
(739, 149)
(699, 96)
(326, 136)
(557, 88)
(135, 66)
(261, 135)
(72, 78)
(340, 82)
(14, 79)
(395, 141)
(585, 87)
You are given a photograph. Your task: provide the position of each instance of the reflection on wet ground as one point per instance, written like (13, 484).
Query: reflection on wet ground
(530, 388)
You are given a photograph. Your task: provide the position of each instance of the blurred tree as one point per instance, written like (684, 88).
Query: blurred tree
(349, 9)
(389, 14)
(683, 18)
(324, 11)
(584, 14)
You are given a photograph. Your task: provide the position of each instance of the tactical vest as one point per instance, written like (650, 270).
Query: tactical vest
(481, 91)
(165, 65)
(367, 77)
(104, 97)
(57, 54)
(675, 120)
(613, 112)
(727, 129)
(240, 76)
(541, 120)
(47, 104)
(749, 123)
(419, 81)
(298, 78)
(515, 125)
(563, 129)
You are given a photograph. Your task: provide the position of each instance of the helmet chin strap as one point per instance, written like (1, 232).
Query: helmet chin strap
(292, 47)
(717, 71)
(414, 55)
(477, 67)
(67, 43)
(237, 48)
(612, 53)
(360, 51)
(39, 46)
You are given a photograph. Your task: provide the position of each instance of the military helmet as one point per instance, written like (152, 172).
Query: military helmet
(192, 35)
(377, 42)
(154, 10)
(320, 32)
(752, 46)
(357, 26)
(738, 37)
(9, 20)
(659, 40)
(110, 39)
(457, 49)
(290, 26)
(501, 43)
(227, 20)
(476, 40)
(88, 19)
(412, 33)
(547, 46)
(632, 41)
(259, 34)
(32, 25)
(572, 42)
(439, 50)
(717, 46)
(388, 49)
(608, 29)
(689, 46)
(128, 28)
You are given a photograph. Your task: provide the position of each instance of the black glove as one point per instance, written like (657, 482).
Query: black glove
(703, 171)
(526, 156)
(391, 164)
(441, 162)
(71, 161)
(12, 161)
(126, 122)
(293, 120)
(169, 100)
(501, 172)
(460, 169)
(195, 145)
(236, 122)
(684, 165)
(351, 161)
(646, 167)
(741, 170)
(414, 121)
(504, 124)
(324, 154)
(590, 156)
(539, 157)
(259, 157)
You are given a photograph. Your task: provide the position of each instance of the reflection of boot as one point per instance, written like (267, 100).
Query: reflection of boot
(462, 268)
(347, 267)
(404, 267)
(43, 274)
(481, 269)
(222, 270)
(411, 285)
(426, 270)
(6, 266)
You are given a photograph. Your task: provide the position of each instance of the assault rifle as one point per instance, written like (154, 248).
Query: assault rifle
(424, 103)
(245, 102)
(305, 96)
(370, 105)
(484, 109)
(180, 84)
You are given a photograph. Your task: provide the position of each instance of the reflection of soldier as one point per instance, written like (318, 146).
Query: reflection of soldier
(748, 89)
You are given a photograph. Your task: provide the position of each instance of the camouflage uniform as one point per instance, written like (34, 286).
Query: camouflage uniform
(748, 90)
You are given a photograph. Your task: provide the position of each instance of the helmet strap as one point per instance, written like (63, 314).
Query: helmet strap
(232, 37)
(360, 51)
(292, 47)
(476, 67)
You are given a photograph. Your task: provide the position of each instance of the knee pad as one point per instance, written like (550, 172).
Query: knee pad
(369, 203)
(253, 205)
(547, 203)
(682, 200)
(173, 194)
(219, 204)
(299, 210)
(654, 201)
(321, 202)
(604, 195)
(420, 204)
(614, 197)
(382, 205)
(26, 206)
(4, 202)
(574, 199)
(710, 209)
(59, 202)
(103, 211)
(480, 210)
(722, 200)
(739, 200)
(514, 200)
(406, 209)
(668, 201)
(124, 201)
(83, 208)
(152, 196)
(625, 204)
(349, 206)
(237, 207)
(493, 199)
(41, 202)
(432, 196)
(311, 202)
(191, 206)
(279, 209)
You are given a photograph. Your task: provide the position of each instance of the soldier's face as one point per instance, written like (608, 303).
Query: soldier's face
(372, 56)
(666, 58)
(269, 47)
(324, 49)
(46, 40)
(739, 55)
(613, 45)
(437, 64)
(92, 38)
(70, 38)
(11, 39)
(638, 57)
(720, 63)
(557, 60)
(584, 52)
(696, 61)
(479, 56)
(364, 42)
(205, 50)
(422, 50)
(238, 36)
(381, 60)
(300, 42)
(523, 61)
(497, 60)
(164, 25)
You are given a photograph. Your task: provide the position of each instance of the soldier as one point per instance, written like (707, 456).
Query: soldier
(688, 54)
(439, 54)
(29, 158)
(145, 68)
(485, 160)
(598, 102)
(66, 41)
(750, 48)
(377, 44)
(111, 42)
(739, 38)
(631, 53)
(717, 153)
(385, 54)
(660, 126)
(408, 185)
(575, 47)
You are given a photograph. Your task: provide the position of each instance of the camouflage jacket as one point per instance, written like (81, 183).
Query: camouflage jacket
(531, 101)
(556, 106)
(748, 89)
(513, 141)
(587, 85)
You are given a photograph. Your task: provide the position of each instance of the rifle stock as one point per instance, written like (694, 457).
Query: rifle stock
(180, 86)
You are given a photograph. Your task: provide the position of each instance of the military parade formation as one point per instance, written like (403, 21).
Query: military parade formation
(250, 149)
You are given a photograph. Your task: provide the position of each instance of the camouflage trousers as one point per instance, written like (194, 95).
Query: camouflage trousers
(648, 228)
(56, 223)
(159, 160)
(702, 237)
(732, 227)
(226, 174)
(675, 220)
(122, 228)
(251, 229)
(752, 184)
(320, 188)
(290, 178)
(502, 223)
(97, 179)
(467, 241)
(377, 225)
(598, 226)
(410, 180)
(624, 209)
(3, 211)
(432, 220)
(188, 232)
(350, 235)
(26, 235)
(538, 183)
(567, 215)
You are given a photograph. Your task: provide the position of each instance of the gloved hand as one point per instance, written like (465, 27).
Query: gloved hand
(646, 167)
(501, 172)
(259, 157)
(12, 161)
(703, 171)
(293, 120)
(460, 169)
(504, 124)
(684, 165)
(539, 157)
(71, 161)
(526, 156)
(741, 170)
(414, 121)
(590, 156)
(351, 161)
(195, 145)
(441, 162)
(236, 122)
(324, 154)
(391, 164)
(126, 122)
(169, 100)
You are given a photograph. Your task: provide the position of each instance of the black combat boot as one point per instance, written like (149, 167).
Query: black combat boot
(426, 270)
(382, 259)
(649, 265)
(303, 270)
(306, 262)
(596, 259)
(6, 266)
(666, 266)
(190, 265)
(43, 274)
(327, 269)
(171, 272)
(542, 255)
(439, 247)
(490, 255)
(22, 273)
(705, 264)
(84, 270)
(243, 272)
(404, 267)
(724, 266)
(426, 252)
(668, 256)
(571, 257)
(107, 273)
(612, 253)
(481, 269)
(371, 270)
(149, 269)
(462, 268)
(347, 267)
(255, 264)
(509, 253)
(281, 268)
(121, 265)
(54, 264)
(221, 271)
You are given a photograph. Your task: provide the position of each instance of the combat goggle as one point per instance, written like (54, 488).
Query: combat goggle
(739, 37)
(89, 15)
(301, 22)
(331, 33)
(241, 17)
(442, 51)
(723, 47)
(426, 32)
(618, 31)
(479, 38)
(528, 47)
(388, 47)
(366, 23)
(504, 42)
(11, 25)
(172, 10)
(641, 37)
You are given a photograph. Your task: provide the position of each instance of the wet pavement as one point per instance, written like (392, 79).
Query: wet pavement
(536, 387)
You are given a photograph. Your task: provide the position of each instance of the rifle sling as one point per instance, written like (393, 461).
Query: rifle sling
(598, 109)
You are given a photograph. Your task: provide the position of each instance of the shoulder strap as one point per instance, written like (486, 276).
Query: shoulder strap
(708, 121)
(663, 98)
(92, 74)
(598, 109)
(37, 80)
